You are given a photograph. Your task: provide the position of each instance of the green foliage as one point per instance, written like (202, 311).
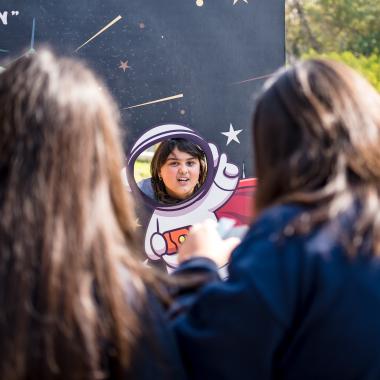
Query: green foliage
(142, 170)
(333, 26)
(368, 66)
(344, 30)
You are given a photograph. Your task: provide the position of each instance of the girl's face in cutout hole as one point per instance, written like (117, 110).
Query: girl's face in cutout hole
(180, 174)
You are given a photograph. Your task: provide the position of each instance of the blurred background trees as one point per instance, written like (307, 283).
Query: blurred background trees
(345, 30)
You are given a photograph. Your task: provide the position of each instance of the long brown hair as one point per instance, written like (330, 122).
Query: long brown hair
(316, 134)
(160, 157)
(67, 239)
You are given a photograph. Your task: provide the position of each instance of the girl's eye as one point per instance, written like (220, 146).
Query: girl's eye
(173, 164)
(190, 163)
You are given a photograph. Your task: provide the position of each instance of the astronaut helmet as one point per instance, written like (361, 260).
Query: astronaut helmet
(156, 135)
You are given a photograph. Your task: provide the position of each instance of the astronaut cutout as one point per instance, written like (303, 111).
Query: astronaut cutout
(169, 224)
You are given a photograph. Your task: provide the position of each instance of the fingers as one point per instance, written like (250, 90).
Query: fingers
(230, 244)
(207, 224)
(200, 241)
(204, 241)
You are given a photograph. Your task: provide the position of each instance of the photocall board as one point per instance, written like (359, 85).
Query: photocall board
(178, 69)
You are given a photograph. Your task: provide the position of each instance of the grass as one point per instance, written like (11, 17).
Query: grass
(141, 170)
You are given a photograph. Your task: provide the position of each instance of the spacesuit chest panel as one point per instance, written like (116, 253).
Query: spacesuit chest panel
(175, 238)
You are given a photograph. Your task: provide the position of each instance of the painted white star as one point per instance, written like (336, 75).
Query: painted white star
(235, 1)
(124, 65)
(232, 134)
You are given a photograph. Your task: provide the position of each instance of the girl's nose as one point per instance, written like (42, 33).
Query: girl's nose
(183, 169)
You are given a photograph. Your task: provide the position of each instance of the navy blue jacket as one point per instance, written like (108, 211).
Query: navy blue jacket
(294, 307)
(156, 354)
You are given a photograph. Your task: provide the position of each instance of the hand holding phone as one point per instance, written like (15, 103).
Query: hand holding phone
(204, 240)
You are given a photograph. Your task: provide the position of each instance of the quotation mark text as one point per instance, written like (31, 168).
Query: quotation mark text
(4, 16)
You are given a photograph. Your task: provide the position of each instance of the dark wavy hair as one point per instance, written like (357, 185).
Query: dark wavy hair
(316, 133)
(160, 157)
(71, 286)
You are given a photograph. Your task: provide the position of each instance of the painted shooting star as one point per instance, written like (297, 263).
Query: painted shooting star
(253, 79)
(114, 21)
(232, 134)
(155, 101)
(31, 50)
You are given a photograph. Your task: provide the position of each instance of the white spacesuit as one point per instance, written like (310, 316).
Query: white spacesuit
(169, 224)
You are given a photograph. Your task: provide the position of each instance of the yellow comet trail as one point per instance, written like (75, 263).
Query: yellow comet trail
(114, 21)
(155, 101)
(253, 79)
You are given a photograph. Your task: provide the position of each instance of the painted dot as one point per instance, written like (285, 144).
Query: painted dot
(199, 3)
(142, 25)
(182, 112)
(182, 238)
